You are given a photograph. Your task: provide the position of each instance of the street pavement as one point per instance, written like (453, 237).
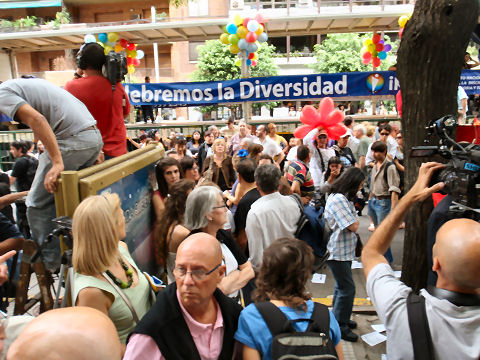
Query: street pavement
(363, 311)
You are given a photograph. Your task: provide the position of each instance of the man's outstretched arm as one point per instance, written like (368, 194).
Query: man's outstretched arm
(380, 240)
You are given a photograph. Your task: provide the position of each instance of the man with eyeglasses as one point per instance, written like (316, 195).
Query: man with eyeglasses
(191, 318)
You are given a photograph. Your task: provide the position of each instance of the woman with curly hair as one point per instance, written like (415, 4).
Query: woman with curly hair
(286, 267)
(221, 165)
(171, 230)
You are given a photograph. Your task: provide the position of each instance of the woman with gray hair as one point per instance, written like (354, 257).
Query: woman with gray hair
(206, 212)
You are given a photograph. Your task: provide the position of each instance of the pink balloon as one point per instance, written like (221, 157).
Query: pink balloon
(309, 115)
(302, 131)
(260, 18)
(366, 61)
(325, 107)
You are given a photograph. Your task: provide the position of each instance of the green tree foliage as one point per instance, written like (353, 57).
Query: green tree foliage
(343, 53)
(217, 63)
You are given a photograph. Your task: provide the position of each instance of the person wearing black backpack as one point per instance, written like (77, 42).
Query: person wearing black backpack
(442, 322)
(283, 309)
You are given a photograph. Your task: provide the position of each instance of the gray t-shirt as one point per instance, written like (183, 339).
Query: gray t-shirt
(455, 329)
(64, 112)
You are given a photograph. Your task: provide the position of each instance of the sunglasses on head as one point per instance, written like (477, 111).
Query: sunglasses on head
(384, 134)
(322, 136)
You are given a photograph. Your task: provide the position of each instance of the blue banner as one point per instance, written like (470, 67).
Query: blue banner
(276, 88)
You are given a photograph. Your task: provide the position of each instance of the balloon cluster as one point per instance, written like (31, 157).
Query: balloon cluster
(375, 50)
(112, 42)
(245, 34)
(326, 117)
(402, 21)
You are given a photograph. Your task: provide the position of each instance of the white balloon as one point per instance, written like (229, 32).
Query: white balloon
(253, 25)
(140, 54)
(89, 39)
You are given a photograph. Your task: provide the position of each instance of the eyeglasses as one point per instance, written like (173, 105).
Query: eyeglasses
(323, 136)
(220, 206)
(399, 137)
(197, 275)
(384, 134)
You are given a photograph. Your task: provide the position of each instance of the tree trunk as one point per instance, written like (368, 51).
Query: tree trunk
(430, 61)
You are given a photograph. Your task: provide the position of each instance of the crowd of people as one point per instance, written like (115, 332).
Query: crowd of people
(228, 207)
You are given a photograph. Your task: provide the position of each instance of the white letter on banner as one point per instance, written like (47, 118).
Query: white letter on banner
(277, 90)
(287, 88)
(147, 95)
(181, 95)
(229, 93)
(156, 95)
(297, 89)
(266, 90)
(243, 95)
(315, 88)
(197, 95)
(135, 96)
(208, 94)
(167, 95)
(327, 88)
(341, 85)
(220, 95)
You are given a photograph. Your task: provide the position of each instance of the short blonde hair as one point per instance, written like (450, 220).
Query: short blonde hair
(95, 234)
(217, 142)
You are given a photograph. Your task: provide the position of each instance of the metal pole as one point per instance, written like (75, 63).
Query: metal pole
(245, 73)
(155, 48)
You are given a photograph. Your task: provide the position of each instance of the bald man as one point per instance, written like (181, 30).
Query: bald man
(191, 318)
(75, 333)
(453, 306)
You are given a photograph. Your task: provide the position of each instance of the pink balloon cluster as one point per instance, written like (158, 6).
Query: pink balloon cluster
(375, 50)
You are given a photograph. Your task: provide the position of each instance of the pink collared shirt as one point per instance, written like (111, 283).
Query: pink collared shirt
(208, 339)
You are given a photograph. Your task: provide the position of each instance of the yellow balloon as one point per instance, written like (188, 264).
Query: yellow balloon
(131, 69)
(237, 19)
(259, 30)
(112, 37)
(107, 49)
(255, 56)
(371, 47)
(100, 43)
(402, 20)
(242, 32)
(234, 49)
(238, 62)
(133, 54)
(368, 42)
(118, 48)
(224, 39)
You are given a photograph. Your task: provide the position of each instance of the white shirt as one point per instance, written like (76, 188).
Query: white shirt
(392, 146)
(270, 218)
(353, 144)
(315, 162)
(455, 330)
(270, 147)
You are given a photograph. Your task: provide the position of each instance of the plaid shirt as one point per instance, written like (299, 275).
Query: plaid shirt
(340, 214)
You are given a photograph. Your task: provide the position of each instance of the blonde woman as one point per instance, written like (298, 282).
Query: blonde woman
(220, 165)
(280, 140)
(98, 254)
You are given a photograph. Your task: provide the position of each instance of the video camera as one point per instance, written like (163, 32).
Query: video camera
(115, 67)
(462, 172)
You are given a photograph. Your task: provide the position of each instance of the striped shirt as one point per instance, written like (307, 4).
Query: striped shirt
(340, 214)
(298, 171)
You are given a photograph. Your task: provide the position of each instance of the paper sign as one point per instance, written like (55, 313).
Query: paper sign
(319, 278)
(379, 328)
(374, 338)
(357, 265)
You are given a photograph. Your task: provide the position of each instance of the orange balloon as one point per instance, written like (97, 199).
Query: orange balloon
(259, 30)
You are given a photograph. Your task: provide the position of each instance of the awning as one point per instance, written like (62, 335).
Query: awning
(29, 4)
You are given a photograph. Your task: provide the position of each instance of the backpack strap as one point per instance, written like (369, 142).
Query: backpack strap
(275, 319)
(385, 172)
(321, 319)
(419, 328)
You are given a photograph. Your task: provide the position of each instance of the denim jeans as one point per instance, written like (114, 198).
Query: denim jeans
(344, 292)
(78, 151)
(378, 209)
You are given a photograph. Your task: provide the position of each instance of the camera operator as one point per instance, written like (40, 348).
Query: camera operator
(451, 310)
(95, 91)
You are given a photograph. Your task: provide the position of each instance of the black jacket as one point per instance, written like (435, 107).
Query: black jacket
(202, 154)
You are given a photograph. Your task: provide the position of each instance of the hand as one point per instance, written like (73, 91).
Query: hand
(100, 158)
(3, 267)
(50, 181)
(420, 190)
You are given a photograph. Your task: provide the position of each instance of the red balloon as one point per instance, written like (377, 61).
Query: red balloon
(254, 63)
(302, 131)
(136, 62)
(123, 43)
(366, 61)
(376, 38)
(245, 21)
(367, 56)
(376, 62)
(251, 37)
(400, 33)
(129, 60)
(131, 46)
(379, 47)
(251, 56)
(309, 115)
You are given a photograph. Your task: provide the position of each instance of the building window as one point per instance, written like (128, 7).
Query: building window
(193, 50)
(197, 7)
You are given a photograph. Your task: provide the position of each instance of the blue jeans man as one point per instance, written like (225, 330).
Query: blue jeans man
(378, 209)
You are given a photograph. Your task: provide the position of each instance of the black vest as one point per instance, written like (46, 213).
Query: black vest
(165, 324)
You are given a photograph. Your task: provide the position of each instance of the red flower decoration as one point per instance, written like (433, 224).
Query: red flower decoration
(326, 117)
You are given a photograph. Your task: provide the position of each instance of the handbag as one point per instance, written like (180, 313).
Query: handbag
(207, 175)
(358, 246)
